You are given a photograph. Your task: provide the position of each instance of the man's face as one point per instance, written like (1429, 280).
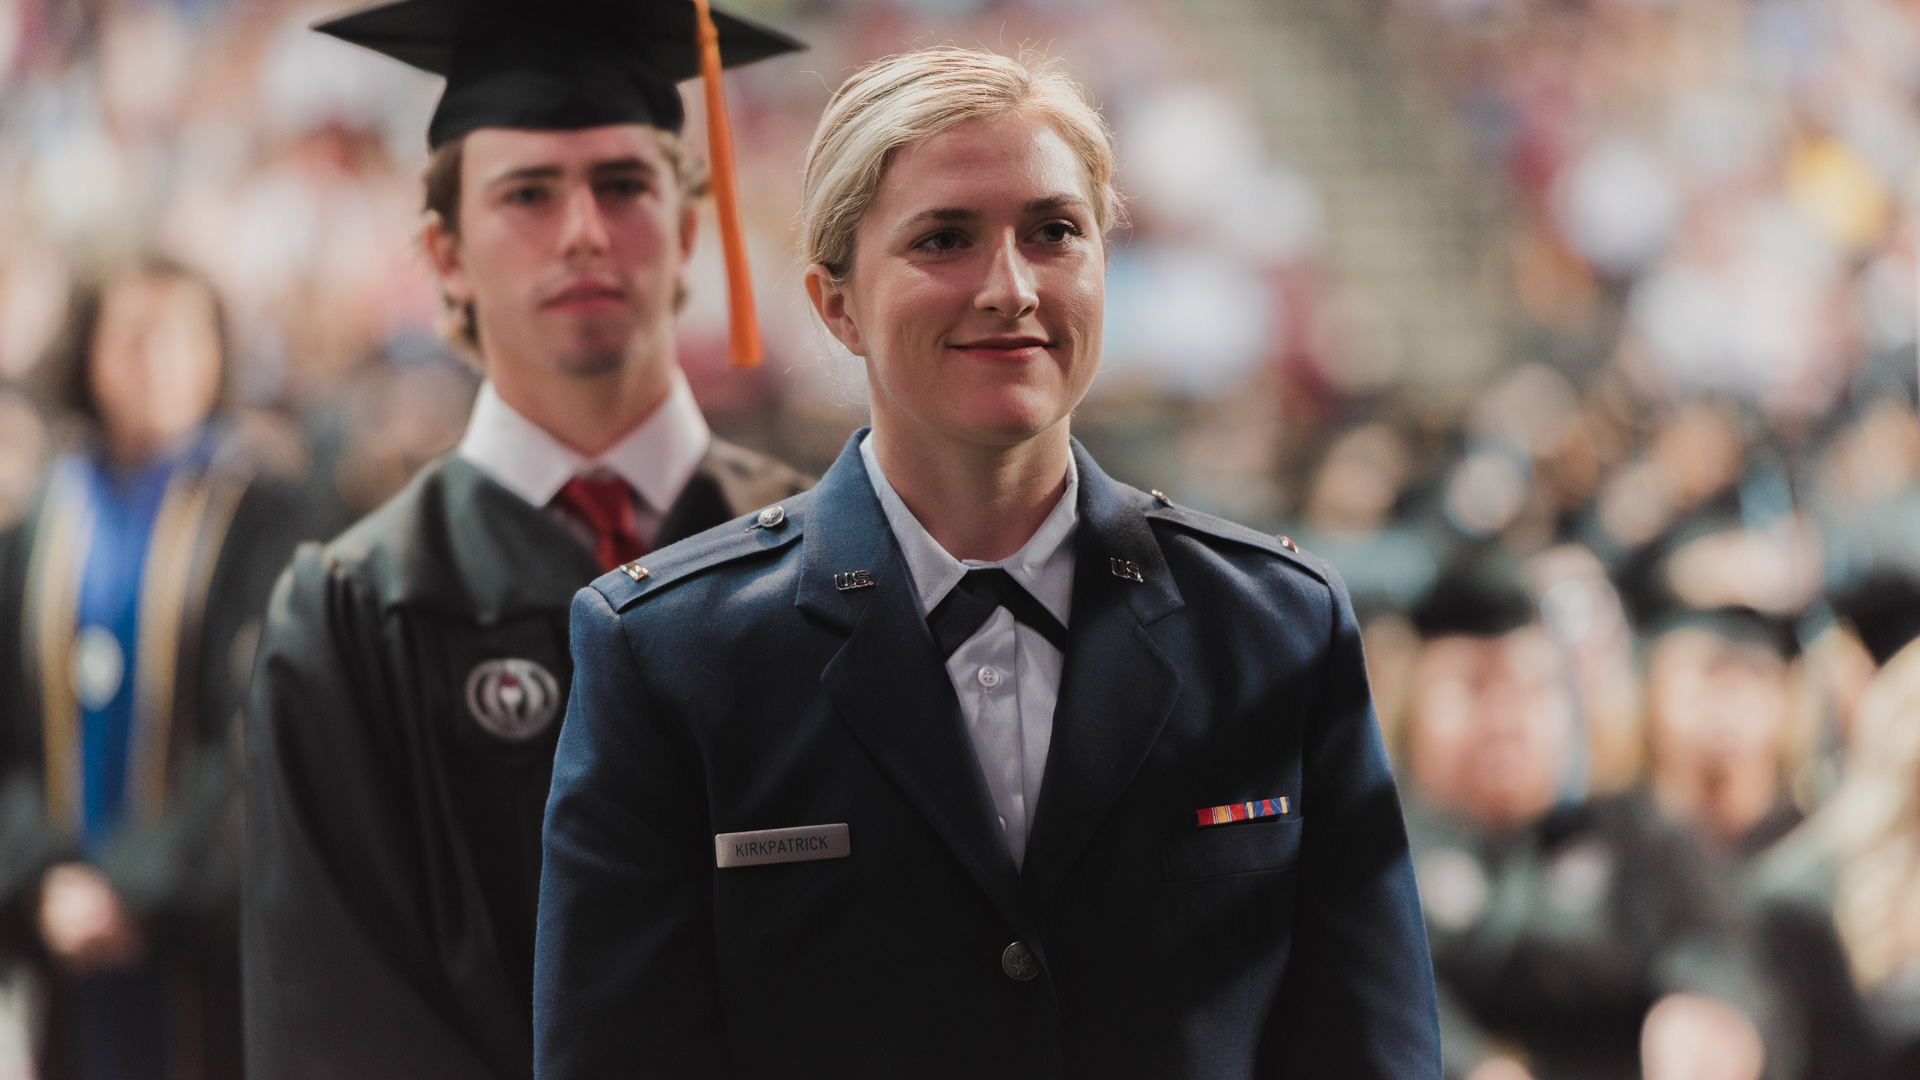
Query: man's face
(569, 246)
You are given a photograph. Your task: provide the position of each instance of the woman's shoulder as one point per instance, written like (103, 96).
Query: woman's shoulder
(672, 576)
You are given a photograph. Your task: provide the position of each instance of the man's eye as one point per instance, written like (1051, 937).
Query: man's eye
(944, 240)
(526, 196)
(622, 189)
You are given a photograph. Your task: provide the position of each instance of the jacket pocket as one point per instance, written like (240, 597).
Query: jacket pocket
(1232, 849)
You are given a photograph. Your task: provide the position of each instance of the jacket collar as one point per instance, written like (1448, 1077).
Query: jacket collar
(891, 689)
(459, 544)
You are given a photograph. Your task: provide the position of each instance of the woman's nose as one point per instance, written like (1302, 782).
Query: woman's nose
(1009, 289)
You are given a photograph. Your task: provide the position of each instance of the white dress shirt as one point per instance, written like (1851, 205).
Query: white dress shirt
(1007, 675)
(657, 458)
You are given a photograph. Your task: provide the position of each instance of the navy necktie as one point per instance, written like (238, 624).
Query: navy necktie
(971, 603)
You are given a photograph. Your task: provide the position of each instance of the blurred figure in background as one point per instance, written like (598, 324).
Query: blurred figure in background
(1719, 697)
(1556, 925)
(1838, 904)
(130, 600)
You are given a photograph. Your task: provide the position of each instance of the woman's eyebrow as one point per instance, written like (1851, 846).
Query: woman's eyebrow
(1056, 202)
(946, 215)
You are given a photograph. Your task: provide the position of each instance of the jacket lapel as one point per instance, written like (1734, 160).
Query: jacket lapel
(1117, 688)
(887, 681)
(509, 558)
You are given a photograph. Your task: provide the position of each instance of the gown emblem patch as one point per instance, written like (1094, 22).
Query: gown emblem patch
(511, 698)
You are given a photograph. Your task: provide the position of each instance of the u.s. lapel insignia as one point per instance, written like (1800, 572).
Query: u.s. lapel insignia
(511, 698)
(859, 579)
(1126, 569)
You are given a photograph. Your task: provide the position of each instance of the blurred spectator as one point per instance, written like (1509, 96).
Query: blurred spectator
(1557, 925)
(1839, 904)
(130, 599)
(1719, 698)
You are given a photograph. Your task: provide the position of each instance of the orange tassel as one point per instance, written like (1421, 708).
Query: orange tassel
(744, 329)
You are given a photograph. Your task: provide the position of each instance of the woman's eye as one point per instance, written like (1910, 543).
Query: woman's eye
(944, 240)
(1058, 232)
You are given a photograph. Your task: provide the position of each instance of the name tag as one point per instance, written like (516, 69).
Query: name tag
(803, 844)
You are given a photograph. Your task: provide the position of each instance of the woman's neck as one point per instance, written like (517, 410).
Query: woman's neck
(976, 501)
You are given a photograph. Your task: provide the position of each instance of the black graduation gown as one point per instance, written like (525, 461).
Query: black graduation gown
(403, 725)
(1826, 1026)
(1555, 940)
(223, 534)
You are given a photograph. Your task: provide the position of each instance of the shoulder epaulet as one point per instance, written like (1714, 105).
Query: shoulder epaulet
(1164, 509)
(765, 529)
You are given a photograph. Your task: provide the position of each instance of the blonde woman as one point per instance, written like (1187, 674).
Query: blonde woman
(1839, 902)
(973, 762)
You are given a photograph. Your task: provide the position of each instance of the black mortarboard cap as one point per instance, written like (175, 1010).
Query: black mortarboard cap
(1884, 610)
(558, 66)
(1481, 592)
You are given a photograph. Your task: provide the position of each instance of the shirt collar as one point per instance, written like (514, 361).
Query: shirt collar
(1043, 565)
(657, 458)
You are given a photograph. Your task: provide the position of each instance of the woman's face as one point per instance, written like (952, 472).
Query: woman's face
(977, 285)
(154, 367)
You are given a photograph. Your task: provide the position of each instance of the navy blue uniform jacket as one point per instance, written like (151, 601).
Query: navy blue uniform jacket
(735, 687)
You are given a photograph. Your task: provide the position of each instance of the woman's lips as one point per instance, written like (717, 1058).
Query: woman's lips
(1005, 349)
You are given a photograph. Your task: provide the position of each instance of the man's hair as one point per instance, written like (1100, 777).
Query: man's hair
(442, 183)
(65, 373)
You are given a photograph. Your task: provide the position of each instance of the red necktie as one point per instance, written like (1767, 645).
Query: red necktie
(605, 505)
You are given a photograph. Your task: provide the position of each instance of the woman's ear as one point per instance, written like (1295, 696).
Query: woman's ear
(832, 302)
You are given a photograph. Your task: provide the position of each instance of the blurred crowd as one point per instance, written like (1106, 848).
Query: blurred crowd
(1636, 616)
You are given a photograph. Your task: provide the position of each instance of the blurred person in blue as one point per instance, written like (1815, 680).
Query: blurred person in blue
(973, 761)
(1573, 938)
(413, 671)
(130, 600)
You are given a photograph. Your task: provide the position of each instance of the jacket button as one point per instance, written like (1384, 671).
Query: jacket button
(772, 516)
(1018, 962)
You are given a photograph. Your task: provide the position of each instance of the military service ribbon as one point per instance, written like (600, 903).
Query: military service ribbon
(1241, 811)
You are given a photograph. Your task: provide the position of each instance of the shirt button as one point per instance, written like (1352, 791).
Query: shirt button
(1018, 962)
(988, 675)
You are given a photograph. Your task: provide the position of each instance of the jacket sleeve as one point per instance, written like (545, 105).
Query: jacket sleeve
(625, 982)
(1358, 996)
(331, 989)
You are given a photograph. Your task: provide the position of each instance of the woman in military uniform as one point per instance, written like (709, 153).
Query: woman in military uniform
(973, 761)
(130, 600)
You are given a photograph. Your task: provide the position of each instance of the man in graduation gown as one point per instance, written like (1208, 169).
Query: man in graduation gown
(413, 671)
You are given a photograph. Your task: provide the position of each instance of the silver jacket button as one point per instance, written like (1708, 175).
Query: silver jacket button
(771, 516)
(1018, 962)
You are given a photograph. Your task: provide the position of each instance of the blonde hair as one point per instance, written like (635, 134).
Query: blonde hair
(915, 95)
(1874, 824)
